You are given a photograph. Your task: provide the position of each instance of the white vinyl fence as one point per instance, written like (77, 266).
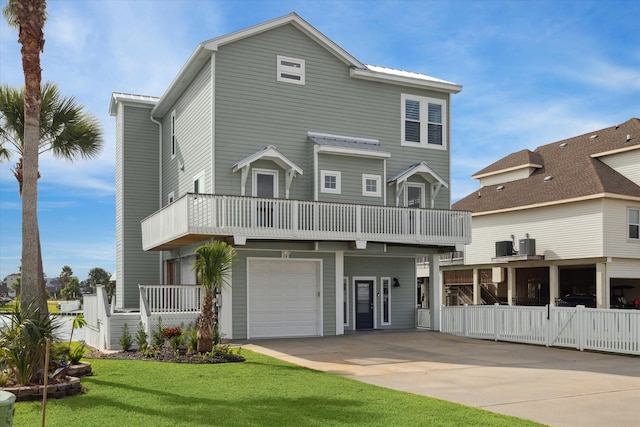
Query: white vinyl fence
(610, 330)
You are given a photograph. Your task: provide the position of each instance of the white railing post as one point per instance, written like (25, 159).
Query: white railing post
(465, 321)
(580, 327)
(294, 218)
(549, 324)
(496, 321)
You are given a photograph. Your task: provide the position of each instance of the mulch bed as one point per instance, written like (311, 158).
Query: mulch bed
(169, 355)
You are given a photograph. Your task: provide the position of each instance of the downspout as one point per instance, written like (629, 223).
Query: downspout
(161, 272)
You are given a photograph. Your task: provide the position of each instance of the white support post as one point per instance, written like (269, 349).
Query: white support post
(435, 291)
(496, 321)
(554, 284)
(476, 287)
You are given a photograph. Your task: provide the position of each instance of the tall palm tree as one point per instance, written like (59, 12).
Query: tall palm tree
(65, 130)
(29, 17)
(213, 264)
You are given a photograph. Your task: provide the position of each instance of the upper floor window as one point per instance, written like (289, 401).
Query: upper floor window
(330, 182)
(290, 70)
(173, 134)
(371, 185)
(634, 223)
(423, 122)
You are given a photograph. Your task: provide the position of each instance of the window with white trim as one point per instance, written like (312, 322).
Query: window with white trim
(198, 183)
(423, 122)
(290, 70)
(371, 185)
(170, 198)
(173, 135)
(385, 301)
(634, 224)
(330, 182)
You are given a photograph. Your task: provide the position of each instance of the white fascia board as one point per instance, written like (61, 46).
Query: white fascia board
(353, 152)
(130, 99)
(268, 153)
(346, 138)
(406, 80)
(187, 73)
(619, 150)
(511, 169)
(291, 18)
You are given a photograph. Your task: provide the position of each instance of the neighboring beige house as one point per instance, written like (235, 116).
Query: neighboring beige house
(563, 219)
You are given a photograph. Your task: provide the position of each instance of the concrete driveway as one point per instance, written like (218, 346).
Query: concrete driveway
(553, 386)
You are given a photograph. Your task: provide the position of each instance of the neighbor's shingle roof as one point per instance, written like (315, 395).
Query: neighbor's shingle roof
(575, 173)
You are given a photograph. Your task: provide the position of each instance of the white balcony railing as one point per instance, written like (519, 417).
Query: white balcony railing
(198, 215)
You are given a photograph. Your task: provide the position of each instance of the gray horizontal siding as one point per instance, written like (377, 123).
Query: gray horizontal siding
(138, 168)
(254, 110)
(403, 298)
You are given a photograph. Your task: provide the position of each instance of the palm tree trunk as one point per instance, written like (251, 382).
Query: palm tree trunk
(30, 15)
(205, 324)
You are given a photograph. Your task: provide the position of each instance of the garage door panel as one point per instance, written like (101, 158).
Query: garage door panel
(283, 298)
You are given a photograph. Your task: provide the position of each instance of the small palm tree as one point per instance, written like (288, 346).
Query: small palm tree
(213, 264)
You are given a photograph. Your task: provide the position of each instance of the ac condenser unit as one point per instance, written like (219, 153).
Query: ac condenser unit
(504, 248)
(527, 246)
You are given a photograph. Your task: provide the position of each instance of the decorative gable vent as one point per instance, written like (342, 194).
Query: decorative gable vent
(290, 70)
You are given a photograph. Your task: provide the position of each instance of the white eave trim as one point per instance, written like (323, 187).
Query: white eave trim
(619, 150)
(559, 202)
(406, 79)
(268, 153)
(298, 22)
(131, 99)
(511, 169)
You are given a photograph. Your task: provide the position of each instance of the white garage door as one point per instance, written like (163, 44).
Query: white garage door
(284, 298)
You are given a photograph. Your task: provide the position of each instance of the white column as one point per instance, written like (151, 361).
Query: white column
(554, 284)
(339, 293)
(511, 284)
(603, 296)
(435, 291)
(476, 287)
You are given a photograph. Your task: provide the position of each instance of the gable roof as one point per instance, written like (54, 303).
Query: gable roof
(568, 170)
(204, 50)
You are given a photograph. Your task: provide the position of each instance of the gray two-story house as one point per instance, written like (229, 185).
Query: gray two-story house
(328, 176)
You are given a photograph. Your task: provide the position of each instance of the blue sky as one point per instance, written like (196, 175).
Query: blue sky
(533, 72)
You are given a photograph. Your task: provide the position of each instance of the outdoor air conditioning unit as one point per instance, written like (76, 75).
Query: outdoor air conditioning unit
(504, 248)
(527, 246)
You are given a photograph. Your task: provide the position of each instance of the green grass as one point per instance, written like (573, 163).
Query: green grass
(259, 392)
(51, 305)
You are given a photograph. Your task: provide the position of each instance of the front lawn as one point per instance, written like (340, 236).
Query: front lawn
(259, 392)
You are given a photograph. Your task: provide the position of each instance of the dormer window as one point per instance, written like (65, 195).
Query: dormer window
(290, 70)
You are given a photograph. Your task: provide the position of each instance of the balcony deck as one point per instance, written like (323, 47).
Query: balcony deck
(195, 217)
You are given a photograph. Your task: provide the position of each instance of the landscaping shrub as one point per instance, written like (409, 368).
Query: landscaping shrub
(125, 338)
(141, 337)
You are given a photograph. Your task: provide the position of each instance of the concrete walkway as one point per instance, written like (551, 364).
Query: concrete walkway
(553, 386)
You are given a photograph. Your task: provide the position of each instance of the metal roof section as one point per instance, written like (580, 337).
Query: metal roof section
(347, 145)
(117, 97)
(407, 78)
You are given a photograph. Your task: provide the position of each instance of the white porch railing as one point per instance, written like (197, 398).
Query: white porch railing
(207, 214)
(615, 331)
(173, 305)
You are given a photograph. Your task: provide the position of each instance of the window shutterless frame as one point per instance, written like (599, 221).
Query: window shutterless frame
(423, 122)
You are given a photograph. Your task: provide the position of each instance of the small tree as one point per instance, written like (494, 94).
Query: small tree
(98, 276)
(72, 290)
(125, 338)
(65, 275)
(213, 264)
